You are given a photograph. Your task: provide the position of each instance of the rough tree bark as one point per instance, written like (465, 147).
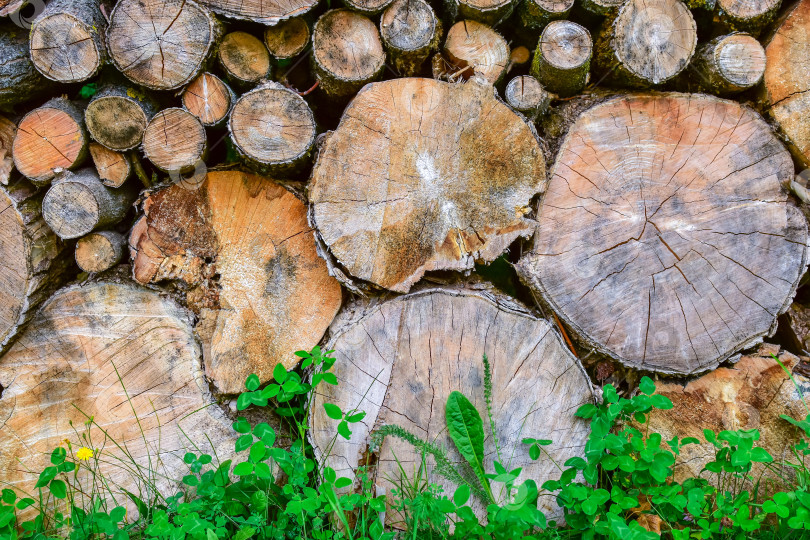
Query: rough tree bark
(209, 99)
(728, 64)
(244, 59)
(113, 167)
(346, 52)
(410, 32)
(536, 14)
(527, 96)
(751, 395)
(750, 16)
(32, 264)
(49, 139)
(19, 79)
(399, 360)
(67, 40)
(424, 175)
(175, 141)
(8, 130)
(160, 44)
(489, 12)
(267, 12)
(602, 7)
(117, 115)
(787, 80)
(475, 48)
(272, 294)
(648, 42)
(287, 39)
(675, 246)
(368, 7)
(273, 129)
(78, 202)
(562, 60)
(100, 351)
(99, 251)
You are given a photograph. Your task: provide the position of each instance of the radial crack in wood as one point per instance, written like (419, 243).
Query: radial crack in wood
(665, 239)
(424, 175)
(787, 79)
(124, 357)
(175, 141)
(209, 99)
(475, 48)
(398, 361)
(243, 245)
(160, 44)
(113, 167)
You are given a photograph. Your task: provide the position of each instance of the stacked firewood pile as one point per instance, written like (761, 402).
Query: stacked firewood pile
(193, 190)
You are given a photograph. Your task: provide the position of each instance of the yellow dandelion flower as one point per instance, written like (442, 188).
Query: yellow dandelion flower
(84, 453)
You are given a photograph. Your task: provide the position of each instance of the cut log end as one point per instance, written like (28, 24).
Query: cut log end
(411, 32)
(99, 251)
(602, 7)
(287, 39)
(527, 96)
(244, 58)
(160, 44)
(67, 40)
(113, 167)
(435, 175)
(49, 139)
(117, 116)
(563, 58)
(536, 14)
(78, 202)
(489, 12)
(102, 351)
(209, 99)
(274, 294)
(399, 360)
(267, 12)
(174, 140)
(475, 48)
(672, 212)
(730, 63)
(648, 43)
(368, 7)
(273, 128)
(748, 15)
(347, 52)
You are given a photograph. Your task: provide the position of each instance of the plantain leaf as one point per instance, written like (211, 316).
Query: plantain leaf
(467, 431)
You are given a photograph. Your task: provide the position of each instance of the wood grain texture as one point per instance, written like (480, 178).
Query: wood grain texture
(99, 251)
(272, 294)
(67, 40)
(787, 79)
(748, 15)
(102, 350)
(287, 39)
(562, 60)
(410, 32)
(527, 96)
(49, 139)
(475, 48)
(536, 14)
(117, 115)
(209, 99)
(268, 12)
(244, 58)
(113, 167)
(160, 44)
(19, 79)
(665, 239)
(8, 130)
(273, 129)
(175, 140)
(31, 260)
(346, 52)
(750, 395)
(424, 175)
(728, 64)
(489, 12)
(399, 360)
(368, 7)
(647, 42)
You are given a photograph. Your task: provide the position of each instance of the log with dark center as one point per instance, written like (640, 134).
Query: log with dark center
(49, 139)
(424, 175)
(272, 295)
(562, 60)
(648, 42)
(67, 40)
(346, 52)
(78, 203)
(787, 80)
(267, 12)
(33, 264)
(117, 115)
(475, 48)
(287, 39)
(410, 32)
(160, 44)
(273, 128)
(674, 245)
(399, 360)
(107, 352)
